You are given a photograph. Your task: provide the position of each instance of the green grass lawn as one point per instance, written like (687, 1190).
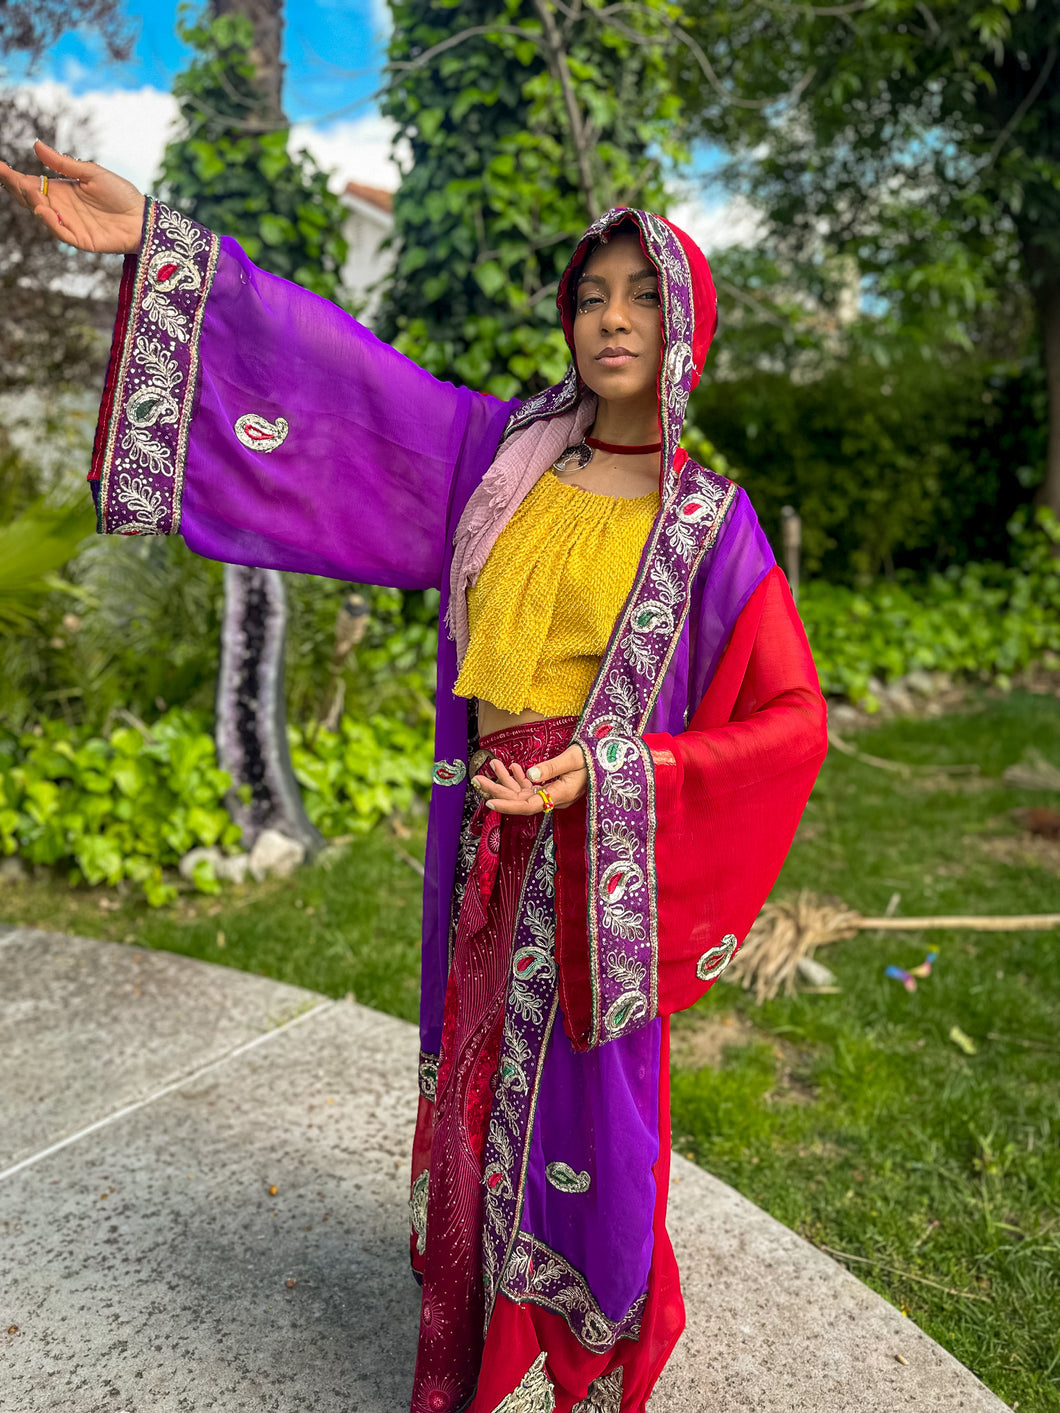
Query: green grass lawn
(853, 1117)
(351, 925)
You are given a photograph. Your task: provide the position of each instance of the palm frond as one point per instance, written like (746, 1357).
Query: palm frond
(32, 547)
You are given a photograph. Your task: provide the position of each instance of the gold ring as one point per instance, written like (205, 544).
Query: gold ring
(546, 799)
(44, 186)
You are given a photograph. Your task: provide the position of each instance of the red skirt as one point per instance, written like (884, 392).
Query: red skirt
(458, 1365)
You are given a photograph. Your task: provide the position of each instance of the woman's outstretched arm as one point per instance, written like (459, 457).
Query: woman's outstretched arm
(261, 422)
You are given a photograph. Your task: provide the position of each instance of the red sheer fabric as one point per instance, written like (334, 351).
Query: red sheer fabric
(729, 794)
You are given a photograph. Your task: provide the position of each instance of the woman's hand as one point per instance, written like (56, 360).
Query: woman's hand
(99, 211)
(514, 791)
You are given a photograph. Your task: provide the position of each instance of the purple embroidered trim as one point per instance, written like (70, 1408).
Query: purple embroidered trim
(620, 843)
(539, 1275)
(546, 403)
(142, 471)
(530, 1012)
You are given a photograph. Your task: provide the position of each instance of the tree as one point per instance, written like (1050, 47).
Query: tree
(231, 170)
(909, 151)
(526, 119)
(32, 26)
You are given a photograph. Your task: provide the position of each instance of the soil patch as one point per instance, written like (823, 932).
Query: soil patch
(1020, 850)
(703, 1045)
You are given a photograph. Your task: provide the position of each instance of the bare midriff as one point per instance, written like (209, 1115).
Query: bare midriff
(492, 718)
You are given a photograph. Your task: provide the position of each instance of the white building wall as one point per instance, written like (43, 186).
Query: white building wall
(365, 228)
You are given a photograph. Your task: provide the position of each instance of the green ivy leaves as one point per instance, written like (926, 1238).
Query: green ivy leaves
(485, 219)
(241, 180)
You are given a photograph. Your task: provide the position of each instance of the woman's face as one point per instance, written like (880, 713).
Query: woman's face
(617, 332)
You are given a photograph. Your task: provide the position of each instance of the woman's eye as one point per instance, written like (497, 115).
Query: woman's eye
(589, 299)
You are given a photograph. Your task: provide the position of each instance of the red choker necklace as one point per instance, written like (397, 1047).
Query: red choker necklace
(598, 445)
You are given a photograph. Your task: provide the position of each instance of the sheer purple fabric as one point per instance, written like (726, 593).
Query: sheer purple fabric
(376, 452)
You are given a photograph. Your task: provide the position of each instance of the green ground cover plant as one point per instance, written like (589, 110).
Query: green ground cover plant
(853, 1118)
(126, 805)
(976, 620)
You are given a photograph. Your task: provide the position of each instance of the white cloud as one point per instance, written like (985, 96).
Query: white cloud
(716, 227)
(356, 151)
(127, 128)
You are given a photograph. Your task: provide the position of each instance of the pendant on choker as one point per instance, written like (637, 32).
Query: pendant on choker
(580, 450)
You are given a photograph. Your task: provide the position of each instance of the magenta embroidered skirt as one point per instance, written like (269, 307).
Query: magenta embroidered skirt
(451, 1133)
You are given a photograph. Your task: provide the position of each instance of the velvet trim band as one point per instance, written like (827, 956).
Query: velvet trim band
(149, 396)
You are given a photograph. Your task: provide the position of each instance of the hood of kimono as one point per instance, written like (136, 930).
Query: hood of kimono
(688, 313)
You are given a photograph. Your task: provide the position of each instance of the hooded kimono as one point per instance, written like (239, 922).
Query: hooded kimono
(269, 428)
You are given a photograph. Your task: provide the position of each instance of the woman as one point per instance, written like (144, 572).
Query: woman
(618, 647)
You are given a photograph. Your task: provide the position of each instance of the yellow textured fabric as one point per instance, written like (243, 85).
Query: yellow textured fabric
(542, 609)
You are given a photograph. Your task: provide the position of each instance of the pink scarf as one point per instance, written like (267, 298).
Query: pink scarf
(521, 460)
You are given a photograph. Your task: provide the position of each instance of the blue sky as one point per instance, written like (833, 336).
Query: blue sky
(333, 50)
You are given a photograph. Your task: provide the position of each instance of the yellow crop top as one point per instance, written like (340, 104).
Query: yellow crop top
(543, 607)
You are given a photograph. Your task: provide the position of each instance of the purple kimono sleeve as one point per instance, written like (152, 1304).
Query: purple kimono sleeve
(268, 427)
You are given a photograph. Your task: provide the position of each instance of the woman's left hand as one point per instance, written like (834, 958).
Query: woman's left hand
(515, 790)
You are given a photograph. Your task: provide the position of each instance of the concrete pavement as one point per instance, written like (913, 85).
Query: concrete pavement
(150, 1102)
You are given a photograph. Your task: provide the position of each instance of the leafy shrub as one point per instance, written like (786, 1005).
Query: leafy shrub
(129, 804)
(361, 773)
(916, 466)
(116, 807)
(978, 620)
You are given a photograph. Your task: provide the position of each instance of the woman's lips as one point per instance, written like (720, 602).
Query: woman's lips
(615, 360)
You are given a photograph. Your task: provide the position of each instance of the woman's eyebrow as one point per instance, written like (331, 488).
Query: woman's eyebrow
(646, 273)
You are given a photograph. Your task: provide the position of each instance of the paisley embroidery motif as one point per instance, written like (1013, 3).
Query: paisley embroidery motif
(605, 1394)
(448, 772)
(617, 879)
(528, 961)
(629, 1007)
(428, 1076)
(613, 753)
(495, 1180)
(418, 1210)
(564, 1179)
(168, 271)
(258, 433)
(653, 617)
(714, 961)
(152, 404)
(535, 1392)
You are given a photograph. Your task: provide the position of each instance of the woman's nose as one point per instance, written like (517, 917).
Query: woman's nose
(616, 316)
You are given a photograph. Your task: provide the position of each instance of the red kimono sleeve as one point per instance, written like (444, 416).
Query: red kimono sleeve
(729, 793)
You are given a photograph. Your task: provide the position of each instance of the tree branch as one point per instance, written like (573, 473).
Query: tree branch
(558, 62)
(760, 309)
(700, 57)
(407, 65)
(1021, 112)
